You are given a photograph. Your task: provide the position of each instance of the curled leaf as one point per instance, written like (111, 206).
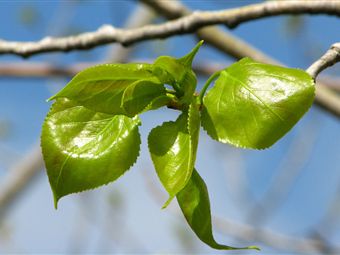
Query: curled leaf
(101, 88)
(194, 203)
(141, 94)
(173, 147)
(178, 73)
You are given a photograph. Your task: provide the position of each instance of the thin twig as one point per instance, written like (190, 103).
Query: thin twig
(235, 47)
(141, 16)
(324, 97)
(212, 35)
(331, 57)
(21, 174)
(109, 34)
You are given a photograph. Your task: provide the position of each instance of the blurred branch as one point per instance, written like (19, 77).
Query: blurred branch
(329, 223)
(245, 232)
(324, 98)
(218, 38)
(234, 170)
(22, 173)
(290, 168)
(270, 238)
(38, 69)
(18, 177)
(47, 70)
(332, 82)
(237, 48)
(109, 34)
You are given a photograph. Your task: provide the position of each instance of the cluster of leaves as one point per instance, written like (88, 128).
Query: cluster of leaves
(90, 136)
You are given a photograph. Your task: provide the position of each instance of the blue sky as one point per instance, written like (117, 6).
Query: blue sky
(88, 222)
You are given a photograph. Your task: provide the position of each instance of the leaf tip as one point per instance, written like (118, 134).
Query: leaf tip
(168, 202)
(254, 248)
(187, 59)
(50, 99)
(56, 199)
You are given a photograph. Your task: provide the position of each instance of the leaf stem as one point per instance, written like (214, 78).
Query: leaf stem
(206, 85)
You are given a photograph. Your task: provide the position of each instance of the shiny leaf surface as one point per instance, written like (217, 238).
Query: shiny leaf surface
(194, 203)
(252, 105)
(173, 149)
(178, 73)
(139, 95)
(84, 149)
(101, 88)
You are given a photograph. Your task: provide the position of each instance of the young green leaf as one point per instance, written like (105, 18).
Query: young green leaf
(194, 202)
(252, 105)
(173, 147)
(157, 103)
(140, 94)
(178, 73)
(101, 88)
(194, 121)
(84, 149)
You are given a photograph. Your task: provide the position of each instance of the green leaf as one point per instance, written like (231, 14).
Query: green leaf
(178, 73)
(188, 59)
(84, 149)
(194, 121)
(139, 95)
(173, 147)
(252, 105)
(101, 88)
(195, 205)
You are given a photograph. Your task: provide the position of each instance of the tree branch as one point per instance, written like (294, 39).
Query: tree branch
(188, 24)
(23, 172)
(235, 47)
(277, 240)
(247, 233)
(18, 176)
(331, 57)
(212, 35)
(47, 70)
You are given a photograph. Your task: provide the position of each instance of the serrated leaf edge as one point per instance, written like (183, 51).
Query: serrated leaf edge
(57, 198)
(57, 95)
(167, 123)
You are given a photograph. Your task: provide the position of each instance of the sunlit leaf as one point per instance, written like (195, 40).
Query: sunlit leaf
(178, 73)
(84, 149)
(141, 94)
(173, 147)
(157, 103)
(252, 105)
(195, 205)
(101, 88)
(194, 121)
